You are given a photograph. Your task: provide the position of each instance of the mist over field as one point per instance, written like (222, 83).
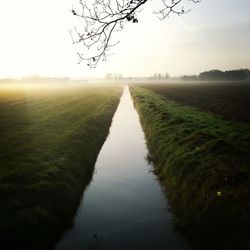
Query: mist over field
(125, 125)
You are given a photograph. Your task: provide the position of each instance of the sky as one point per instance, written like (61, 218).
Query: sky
(35, 40)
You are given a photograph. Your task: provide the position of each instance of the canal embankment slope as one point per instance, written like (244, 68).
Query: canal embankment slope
(203, 163)
(50, 139)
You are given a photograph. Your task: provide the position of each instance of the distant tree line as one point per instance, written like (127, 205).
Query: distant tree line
(113, 77)
(230, 75)
(159, 76)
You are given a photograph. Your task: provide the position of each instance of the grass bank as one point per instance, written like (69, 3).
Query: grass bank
(203, 163)
(50, 139)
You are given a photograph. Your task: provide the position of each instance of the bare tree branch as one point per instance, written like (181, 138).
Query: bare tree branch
(101, 18)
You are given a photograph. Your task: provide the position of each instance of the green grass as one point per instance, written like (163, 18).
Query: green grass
(50, 140)
(203, 163)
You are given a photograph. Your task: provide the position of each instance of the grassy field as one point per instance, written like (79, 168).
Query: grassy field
(228, 99)
(203, 162)
(50, 139)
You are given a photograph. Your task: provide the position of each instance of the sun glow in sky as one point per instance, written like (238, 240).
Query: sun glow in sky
(215, 34)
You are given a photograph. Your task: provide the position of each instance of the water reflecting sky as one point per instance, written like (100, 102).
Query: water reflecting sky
(123, 206)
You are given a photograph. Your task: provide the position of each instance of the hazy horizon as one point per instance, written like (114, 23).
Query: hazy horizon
(214, 35)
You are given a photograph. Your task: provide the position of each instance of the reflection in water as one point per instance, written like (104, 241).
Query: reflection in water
(123, 207)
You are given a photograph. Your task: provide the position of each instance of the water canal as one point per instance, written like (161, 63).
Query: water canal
(123, 207)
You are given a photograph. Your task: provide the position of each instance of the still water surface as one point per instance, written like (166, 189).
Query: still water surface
(123, 207)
